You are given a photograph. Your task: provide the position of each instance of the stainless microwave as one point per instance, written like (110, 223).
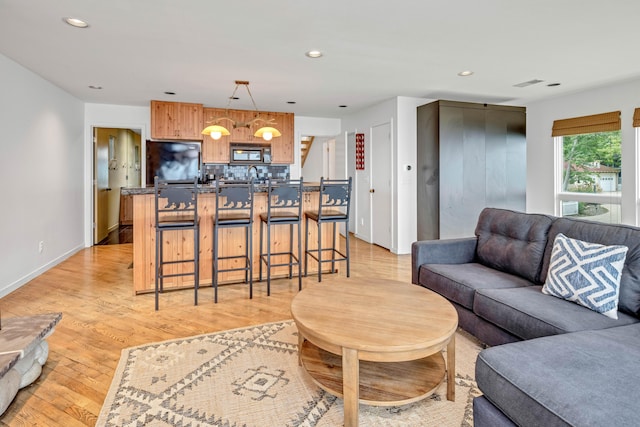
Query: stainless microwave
(250, 153)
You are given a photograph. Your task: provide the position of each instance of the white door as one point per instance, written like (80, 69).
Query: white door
(329, 159)
(381, 155)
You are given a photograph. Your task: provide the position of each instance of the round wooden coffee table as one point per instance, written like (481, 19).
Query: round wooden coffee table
(347, 329)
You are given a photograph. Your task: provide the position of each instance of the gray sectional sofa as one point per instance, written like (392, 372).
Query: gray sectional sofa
(552, 362)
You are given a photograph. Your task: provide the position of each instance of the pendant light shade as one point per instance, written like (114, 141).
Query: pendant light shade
(267, 133)
(216, 131)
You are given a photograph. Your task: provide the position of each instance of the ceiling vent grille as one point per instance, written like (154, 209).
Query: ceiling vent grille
(529, 83)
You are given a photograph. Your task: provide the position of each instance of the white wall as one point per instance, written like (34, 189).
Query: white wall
(405, 187)
(318, 127)
(312, 170)
(42, 175)
(624, 97)
(401, 114)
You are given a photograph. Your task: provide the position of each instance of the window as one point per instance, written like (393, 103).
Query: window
(589, 167)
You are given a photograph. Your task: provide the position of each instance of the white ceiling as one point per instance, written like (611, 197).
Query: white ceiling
(374, 50)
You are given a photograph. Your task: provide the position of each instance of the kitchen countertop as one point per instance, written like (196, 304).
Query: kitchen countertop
(210, 188)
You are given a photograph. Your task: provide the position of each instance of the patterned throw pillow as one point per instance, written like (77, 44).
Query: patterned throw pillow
(586, 273)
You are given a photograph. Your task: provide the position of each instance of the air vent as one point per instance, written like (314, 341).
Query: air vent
(529, 83)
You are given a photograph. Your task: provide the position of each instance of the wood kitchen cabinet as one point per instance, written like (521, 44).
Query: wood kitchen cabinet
(176, 120)
(217, 151)
(282, 148)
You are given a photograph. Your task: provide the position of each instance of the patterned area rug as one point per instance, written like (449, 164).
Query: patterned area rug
(250, 377)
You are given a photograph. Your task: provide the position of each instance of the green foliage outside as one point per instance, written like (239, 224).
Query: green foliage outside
(582, 150)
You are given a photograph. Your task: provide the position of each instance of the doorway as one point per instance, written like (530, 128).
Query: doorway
(117, 156)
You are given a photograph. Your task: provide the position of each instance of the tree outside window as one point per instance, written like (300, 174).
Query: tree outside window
(592, 164)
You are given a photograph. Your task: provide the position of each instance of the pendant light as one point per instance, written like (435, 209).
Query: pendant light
(266, 132)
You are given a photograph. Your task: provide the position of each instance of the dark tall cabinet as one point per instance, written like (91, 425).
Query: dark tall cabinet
(470, 156)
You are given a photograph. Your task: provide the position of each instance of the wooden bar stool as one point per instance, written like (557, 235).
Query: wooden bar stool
(284, 207)
(333, 207)
(176, 209)
(234, 209)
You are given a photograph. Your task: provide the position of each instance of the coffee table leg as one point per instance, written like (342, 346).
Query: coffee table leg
(350, 386)
(451, 368)
(300, 342)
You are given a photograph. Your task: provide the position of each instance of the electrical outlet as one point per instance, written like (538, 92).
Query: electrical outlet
(40, 246)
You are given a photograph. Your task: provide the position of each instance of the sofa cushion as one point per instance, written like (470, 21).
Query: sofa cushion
(512, 242)
(528, 313)
(605, 234)
(586, 273)
(459, 282)
(580, 379)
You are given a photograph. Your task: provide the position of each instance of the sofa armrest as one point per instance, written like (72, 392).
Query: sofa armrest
(447, 251)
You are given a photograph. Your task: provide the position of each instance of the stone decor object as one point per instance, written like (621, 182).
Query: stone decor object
(23, 352)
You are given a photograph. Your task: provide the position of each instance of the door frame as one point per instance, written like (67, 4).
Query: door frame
(90, 201)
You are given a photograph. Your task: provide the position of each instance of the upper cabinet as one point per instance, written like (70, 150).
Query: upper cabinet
(183, 121)
(217, 151)
(176, 120)
(282, 148)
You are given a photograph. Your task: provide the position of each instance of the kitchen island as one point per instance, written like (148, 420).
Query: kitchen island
(179, 244)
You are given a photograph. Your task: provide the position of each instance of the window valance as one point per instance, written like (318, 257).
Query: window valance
(605, 122)
(636, 118)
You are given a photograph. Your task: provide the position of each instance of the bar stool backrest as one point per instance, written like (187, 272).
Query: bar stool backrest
(335, 197)
(285, 196)
(233, 198)
(176, 202)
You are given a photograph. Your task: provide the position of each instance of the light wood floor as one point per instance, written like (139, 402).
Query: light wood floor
(101, 316)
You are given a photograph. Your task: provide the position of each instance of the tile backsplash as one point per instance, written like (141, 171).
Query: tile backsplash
(242, 172)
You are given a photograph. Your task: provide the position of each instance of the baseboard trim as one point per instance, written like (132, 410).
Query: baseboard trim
(25, 279)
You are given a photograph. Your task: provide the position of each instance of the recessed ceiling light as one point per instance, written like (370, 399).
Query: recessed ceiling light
(342, 106)
(95, 87)
(465, 73)
(75, 22)
(553, 84)
(168, 92)
(314, 54)
(291, 102)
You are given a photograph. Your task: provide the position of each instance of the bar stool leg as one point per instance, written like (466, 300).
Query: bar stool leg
(306, 244)
(319, 251)
(196, 264)
(158, 266)
(299, 255)
(249, 258)
(261, 251)
(333, 249)
(246, 254)
(268, 259)
(346, 229)
(214, 265)
(290, 251)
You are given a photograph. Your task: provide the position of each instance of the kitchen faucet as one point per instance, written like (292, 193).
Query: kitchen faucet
(249, 171)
